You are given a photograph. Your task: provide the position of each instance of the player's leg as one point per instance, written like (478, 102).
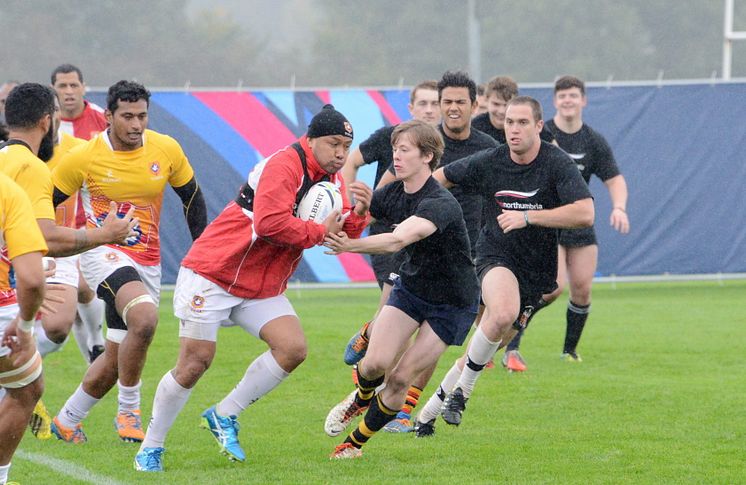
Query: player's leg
(581, 266)
(24, 385)
(91, 316)
(420, 356)
(513, 360)
(54, 328)
(358, 343)
(501, 297)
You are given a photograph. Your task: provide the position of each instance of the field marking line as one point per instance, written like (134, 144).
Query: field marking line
(66, 468)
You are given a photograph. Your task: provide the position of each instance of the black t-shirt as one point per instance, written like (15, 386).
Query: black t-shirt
(483, 124)
(589, 150)
(439, 268)
(377, 148)
(550, 181)
(471, 205)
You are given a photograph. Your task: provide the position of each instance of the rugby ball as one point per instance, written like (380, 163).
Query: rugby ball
(322, 198)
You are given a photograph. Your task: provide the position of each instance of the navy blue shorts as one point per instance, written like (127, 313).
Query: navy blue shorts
(577, 238)
(450, 323)
(529, 293)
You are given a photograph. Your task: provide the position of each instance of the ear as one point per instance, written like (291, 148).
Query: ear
(45, 122)
(109, 116)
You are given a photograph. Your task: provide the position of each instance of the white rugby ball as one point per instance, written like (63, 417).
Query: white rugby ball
(322, 198)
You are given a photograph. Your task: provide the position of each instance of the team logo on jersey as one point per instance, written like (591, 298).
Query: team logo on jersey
(197, 303)
(112, 257)
(155, 168)
(515, 194)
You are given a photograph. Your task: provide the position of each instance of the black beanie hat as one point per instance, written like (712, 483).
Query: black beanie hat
(329, 121)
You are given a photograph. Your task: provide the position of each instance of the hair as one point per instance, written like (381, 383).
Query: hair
(129, 91)
(429, 84)
(27, 104)
(480, 89)
(66, 69)
(528, 100)
(569, 82)
(503, 86)
(458, 79)
(425, 137)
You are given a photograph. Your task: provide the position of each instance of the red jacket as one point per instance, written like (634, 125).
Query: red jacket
(253, 254)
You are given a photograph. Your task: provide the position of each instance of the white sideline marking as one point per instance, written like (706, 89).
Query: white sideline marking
(67, 468)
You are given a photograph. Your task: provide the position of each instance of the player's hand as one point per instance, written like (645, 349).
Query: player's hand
(337, 243)
(22, 344)
(619, 220)
(511, 220)
(53, 299)
(120, 228)
(362, 195)
(334, 222)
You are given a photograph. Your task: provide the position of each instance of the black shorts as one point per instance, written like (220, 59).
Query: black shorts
(450, 323)
(577, 238)
(529, 292)
(384, 265)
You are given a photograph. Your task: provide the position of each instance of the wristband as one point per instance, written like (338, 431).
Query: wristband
(525, 218)
(621, 209)
(26, 326)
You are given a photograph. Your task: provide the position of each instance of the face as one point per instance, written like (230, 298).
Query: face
(456, 109)
(481, 105)
(128, 123)
(496, 106)
(70, 89)
(56, 119)
(570, 103)
(521, 131)
(408, 159)
(425, 107)
(330, 151)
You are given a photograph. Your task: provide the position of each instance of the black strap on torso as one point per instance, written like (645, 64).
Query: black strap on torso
(13, 141)
(245, 198)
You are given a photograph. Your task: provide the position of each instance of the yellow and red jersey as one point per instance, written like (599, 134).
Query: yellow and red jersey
(20, 164)
(90, 123)
(70, 213)
(19, 233)
(129, 178)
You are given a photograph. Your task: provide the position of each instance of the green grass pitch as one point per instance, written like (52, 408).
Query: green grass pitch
(659, 398)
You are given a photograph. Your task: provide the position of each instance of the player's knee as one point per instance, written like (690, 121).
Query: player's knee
(57, 332)
(189, 372)
(294, 352)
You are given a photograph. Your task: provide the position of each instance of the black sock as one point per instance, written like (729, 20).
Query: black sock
(366, 388)
(516, 342)
(377, 417)
(576, 317)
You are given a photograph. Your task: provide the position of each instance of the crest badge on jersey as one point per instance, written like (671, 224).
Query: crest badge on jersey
(155, 168)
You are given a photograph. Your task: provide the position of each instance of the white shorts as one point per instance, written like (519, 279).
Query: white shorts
(203, 307)
(99, 263)
(7, 314)
(66, 271)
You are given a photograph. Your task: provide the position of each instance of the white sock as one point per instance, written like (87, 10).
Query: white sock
(169, 400)
(481, 350)
(129, 397)
(431, 409)
(92, 315)
(76, 408)
(263, 375)
(4, 473)
(81, 338)
(43, 344)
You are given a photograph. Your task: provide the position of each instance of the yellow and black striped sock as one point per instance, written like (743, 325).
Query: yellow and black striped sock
(375, 419)
(366, 388)
(413, 396)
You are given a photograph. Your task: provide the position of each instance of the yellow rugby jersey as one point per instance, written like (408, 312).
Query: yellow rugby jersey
(67, 212)
(129, 178)
(19, 233)
(33, 175)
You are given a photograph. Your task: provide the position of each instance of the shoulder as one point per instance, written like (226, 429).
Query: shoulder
(163, 142)
(382, 134)
(94, 107)
(593, 135)
(482, 139)
(481, 121)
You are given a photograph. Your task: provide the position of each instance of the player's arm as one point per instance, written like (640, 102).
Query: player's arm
(65, 241)
(195, 209)
(617, 187)
(19, 335)
(409, 231)
(440, 176)
(569, 216)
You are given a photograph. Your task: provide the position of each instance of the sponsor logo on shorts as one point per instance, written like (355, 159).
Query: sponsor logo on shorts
(197, 303)
(111, 256)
